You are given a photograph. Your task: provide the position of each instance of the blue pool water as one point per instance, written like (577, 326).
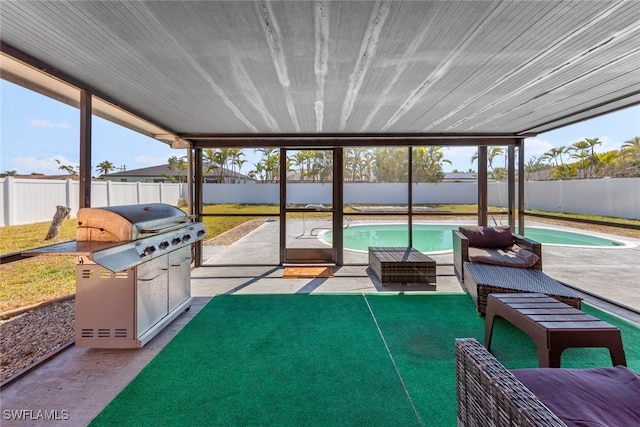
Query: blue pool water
(438, 238)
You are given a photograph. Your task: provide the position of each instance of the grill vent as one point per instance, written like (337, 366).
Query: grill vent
(104, 333)
(104, 274)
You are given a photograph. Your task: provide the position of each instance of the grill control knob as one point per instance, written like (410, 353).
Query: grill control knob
(149, 250)
(186, 237)
(176, 240)
(164, 245)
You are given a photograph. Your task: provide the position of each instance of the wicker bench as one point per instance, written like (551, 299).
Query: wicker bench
(393, 265)
(484, 279)
(490, 395)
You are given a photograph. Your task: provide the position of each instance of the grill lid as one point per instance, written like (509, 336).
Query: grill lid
(127, 222)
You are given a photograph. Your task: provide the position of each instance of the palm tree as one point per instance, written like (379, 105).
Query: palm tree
(555, 155)
(631, 148)
(629, 162)
(368, 165)
(492, 153)
(606, 164)
(593, 159)
(391, 164)
(580, 153)
(427, 164)
(632, 144)
(564, 171)
(73, 171)
(218, 158)
(236, 159)
(358, 163)
(105, 167)
(179, 166)
(299, 159)
(269, 164)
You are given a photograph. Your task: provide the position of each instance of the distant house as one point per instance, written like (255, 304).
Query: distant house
(460, 177)
(162, 173)
(42, 176)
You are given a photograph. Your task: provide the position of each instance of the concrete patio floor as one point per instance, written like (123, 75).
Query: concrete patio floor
(81, 382)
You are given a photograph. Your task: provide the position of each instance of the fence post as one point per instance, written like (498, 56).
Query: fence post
(160, 188)
(109, 190)
(138, 192)
(9, 201)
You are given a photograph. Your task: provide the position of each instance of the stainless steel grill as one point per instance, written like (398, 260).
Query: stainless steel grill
(133, 275)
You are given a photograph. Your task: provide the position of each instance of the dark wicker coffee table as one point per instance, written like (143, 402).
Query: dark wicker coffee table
(484, 279)
(393, 265)
(553, 326)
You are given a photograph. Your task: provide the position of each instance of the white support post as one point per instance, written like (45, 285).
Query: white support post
(109, 193)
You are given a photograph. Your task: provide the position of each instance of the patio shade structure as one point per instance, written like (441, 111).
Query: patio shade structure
(197, 74)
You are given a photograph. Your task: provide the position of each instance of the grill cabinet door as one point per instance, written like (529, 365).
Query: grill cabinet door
(179, 276)
(152, 293)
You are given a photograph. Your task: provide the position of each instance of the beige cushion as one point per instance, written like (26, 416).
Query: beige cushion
(510, 257)
(488, 237)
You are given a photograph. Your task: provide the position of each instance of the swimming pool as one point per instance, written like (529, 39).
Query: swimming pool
(438, 237)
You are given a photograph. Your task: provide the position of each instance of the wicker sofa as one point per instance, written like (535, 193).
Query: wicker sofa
(502, 246)
(490, 395)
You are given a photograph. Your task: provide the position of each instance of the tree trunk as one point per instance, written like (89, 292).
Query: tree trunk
(58, 218)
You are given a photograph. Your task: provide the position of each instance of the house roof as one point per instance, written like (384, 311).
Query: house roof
(212, 71)
(161, 170)
(158, 170)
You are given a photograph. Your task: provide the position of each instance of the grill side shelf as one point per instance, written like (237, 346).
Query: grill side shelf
(118, 256)
(71, 248)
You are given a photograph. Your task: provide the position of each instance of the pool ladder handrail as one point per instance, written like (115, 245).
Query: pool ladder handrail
(318, 208)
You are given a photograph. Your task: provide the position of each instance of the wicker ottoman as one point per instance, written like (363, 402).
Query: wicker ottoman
(402, 266)
(484, 279)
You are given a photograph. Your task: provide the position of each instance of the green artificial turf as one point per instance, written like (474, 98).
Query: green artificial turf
(324, 360)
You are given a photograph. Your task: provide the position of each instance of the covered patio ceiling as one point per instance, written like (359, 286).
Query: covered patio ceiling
(229, 73)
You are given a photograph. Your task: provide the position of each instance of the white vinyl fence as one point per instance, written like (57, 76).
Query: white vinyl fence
(614, 197)
(26, 201)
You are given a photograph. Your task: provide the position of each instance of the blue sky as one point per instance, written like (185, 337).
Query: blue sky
(37, 130)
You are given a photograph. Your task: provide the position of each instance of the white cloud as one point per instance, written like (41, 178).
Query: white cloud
(25, 165)
(534, 147)
(43, 123)
(608, 145)
(460, 157)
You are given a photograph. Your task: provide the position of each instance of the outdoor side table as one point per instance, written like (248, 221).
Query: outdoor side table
(553, 326)
(398, 265)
